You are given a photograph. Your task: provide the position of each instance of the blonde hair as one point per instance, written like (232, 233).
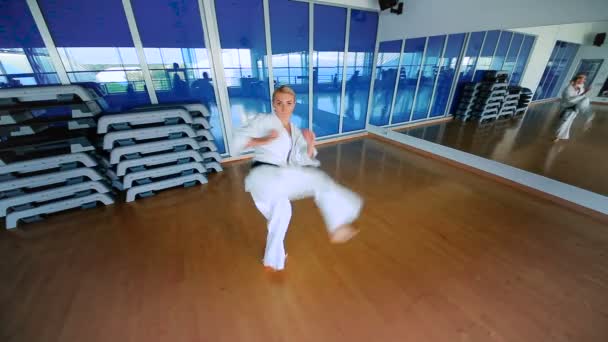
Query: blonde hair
(285, 90)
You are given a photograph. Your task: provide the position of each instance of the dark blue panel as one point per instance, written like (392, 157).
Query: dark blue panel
(485, 57)
(467, 66)
(447, 73)
(288, 26)
(241, 24)
(330, 32)
(430, 66)
(522, 59)
(289, 33)
(360, 59)
(330, 28)
(17, 26)
(169, 23)
(363, 28)
(384, 85)
(408, 78)
(501, 50)
(77, 23)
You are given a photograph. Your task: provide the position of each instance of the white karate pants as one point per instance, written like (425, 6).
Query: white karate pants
(272, 189)
(563, 132)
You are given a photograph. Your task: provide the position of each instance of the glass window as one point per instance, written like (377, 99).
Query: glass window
(511, 58)
(176, 55)
(539, 93)
(23, 58)
(290, 60)
(485, 57)
(328, 55)
(501, 50)
(447, 73)
(244, 56)
(384, 84)
(467, 65)
(561, 70)
(359, 64)
(411, 60)
(522, 59)
(430, 68)
(97, 48)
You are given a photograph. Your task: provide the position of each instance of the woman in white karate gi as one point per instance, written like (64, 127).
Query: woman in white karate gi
(284, 169)
(574, 101)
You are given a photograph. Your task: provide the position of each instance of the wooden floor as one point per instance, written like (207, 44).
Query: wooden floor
(444, 255)
(528, 144)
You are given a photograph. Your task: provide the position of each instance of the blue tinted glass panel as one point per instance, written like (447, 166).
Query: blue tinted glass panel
(553, 66)
(522, 59)
(563, 65)
(411, 61)
(77, 23)
(485, 57)
(539, 93)
(328, 56)
(23, 58)
(501, 50)
(176, 55)
(447, 73)
(244, 57)
(467, 65)
(289, 34)
(359, 64)
(511, 58)
(384, 84)
(430, 67)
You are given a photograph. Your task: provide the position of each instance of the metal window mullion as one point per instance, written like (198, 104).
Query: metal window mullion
(139, 49)
(396, 86)
(457, 74)
(311, 23)
(344, 60)
(445, 45)
(426, 43)
(374, 66)
(207, 12)
(483, 44)
(49, 44)
(269, 48)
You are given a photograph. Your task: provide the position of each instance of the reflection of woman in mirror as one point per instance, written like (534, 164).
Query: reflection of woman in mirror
(574, 100)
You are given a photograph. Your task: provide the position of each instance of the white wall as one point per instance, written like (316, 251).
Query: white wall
(431, 17)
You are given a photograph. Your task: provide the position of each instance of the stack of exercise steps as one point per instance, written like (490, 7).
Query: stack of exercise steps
(157, 147)
(525, 97)
(47, 162)
(482, 101)
(509, 106)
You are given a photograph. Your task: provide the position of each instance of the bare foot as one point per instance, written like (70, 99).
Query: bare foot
(343, 234)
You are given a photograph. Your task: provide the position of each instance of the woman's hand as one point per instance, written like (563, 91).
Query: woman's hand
(264, 140)
(309, 136)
